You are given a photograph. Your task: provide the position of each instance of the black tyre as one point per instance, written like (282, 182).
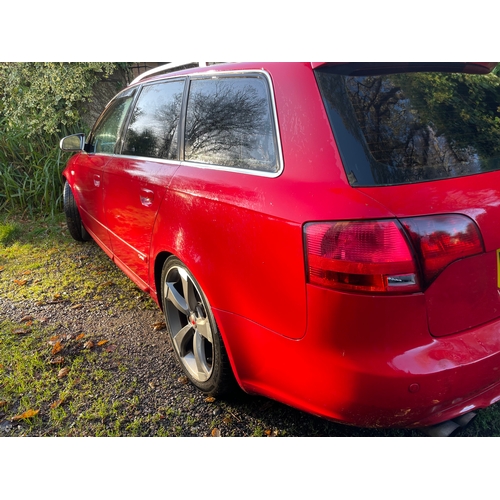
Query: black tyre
(73, 219)
(195, 337)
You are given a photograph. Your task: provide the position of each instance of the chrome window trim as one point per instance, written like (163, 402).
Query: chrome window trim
(210, 166)
(148, 159)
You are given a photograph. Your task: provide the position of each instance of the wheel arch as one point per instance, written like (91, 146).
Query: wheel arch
(158, 267)
(159, 261)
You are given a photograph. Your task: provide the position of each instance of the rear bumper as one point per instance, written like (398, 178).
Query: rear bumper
(369, 362)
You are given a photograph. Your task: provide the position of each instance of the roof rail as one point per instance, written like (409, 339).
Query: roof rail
(167, 68)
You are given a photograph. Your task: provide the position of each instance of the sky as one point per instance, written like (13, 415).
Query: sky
(386, 30)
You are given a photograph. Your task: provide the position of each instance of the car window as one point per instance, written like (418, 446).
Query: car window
(229, 123)
(415, 126)
(152, 130)
(105, 134)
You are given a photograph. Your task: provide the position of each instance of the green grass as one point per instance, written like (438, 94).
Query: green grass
(30, 170)
(39, 263)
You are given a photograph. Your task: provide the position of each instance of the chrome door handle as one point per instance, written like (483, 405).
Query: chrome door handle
(147, 197)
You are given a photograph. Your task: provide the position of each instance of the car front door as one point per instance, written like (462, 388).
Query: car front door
(100, 151)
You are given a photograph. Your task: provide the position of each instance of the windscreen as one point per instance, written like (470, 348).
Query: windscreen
(406, 127)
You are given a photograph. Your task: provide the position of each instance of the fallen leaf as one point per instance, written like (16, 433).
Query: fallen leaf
(89, 344)
(20, 282)
(57, 348)
(111, 348)
(183, 380)
(210, 399)
(159, 325)
(57, 403)
(26, 273)
(102, 342)
(63, 372)
(227, 420)
(21, 331)
(3, 403)
(2, 268)
(77, 306)
(107, 283)
(215, 432)
(58, 360)
(26, 318)
(80, 336)
(57, 296)
(152, 385)
(26, 414)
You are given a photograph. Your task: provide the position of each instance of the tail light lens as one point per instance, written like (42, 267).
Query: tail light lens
(369, 256)
(377, 256)
(439, 240)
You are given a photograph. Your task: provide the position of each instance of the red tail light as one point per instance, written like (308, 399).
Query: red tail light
(439, 240)
(377, 256)
(370, 256)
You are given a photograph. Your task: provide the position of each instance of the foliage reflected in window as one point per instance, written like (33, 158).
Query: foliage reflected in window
(414, 127)
(105, 136)
(153, 127)
(229, 123)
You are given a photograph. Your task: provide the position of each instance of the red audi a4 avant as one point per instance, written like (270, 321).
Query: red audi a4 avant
(323, 234)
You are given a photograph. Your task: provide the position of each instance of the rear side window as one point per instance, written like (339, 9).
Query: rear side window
(153, 126)
(412, 127)
(229, 123)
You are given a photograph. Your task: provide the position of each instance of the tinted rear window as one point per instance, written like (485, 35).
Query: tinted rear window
(229, 122)
(152, 130)
(413, 127)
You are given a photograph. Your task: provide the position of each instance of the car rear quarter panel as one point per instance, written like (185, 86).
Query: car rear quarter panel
(241, 234)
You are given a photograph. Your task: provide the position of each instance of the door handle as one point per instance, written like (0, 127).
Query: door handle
(147, 197)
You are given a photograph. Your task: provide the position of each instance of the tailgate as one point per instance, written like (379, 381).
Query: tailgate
(466, 293)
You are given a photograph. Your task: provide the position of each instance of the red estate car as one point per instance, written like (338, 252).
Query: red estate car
(324, 234)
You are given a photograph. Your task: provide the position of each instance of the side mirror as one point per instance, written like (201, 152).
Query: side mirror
(75, 142)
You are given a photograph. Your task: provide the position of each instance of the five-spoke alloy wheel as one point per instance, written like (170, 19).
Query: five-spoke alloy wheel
(193, 331)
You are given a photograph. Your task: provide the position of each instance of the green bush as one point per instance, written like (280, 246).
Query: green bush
(39, 104)
(40, 98)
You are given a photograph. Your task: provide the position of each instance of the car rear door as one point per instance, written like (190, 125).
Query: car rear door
(136, 180)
